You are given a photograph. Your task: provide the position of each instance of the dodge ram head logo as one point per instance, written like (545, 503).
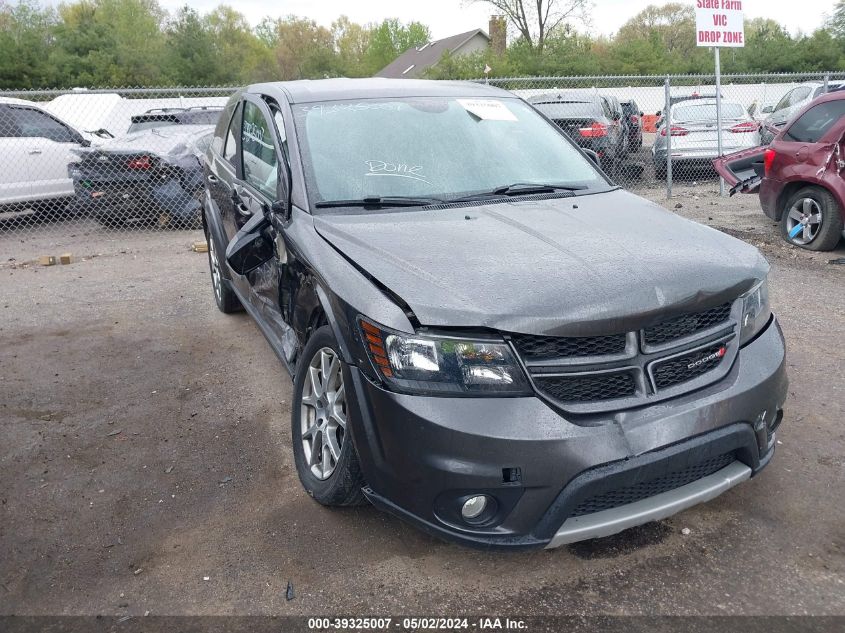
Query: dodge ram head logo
(719, 353)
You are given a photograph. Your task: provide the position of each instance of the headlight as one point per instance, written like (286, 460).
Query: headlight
(755, 312)
(443, 365)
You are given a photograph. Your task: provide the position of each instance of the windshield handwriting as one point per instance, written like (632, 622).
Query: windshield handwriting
(400, 170)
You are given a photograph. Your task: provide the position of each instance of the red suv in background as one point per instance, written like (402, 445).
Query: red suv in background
(799, 176)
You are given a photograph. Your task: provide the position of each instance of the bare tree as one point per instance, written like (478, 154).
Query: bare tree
(535, 20)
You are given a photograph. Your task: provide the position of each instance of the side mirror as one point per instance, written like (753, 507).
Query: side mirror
(251, 247)
(592, 156)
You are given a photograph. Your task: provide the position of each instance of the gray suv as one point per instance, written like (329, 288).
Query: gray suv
(487, 337)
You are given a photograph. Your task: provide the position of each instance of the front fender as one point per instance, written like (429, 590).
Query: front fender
(213, 226)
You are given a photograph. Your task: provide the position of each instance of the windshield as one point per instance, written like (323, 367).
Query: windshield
(707, 112)
(432, 147)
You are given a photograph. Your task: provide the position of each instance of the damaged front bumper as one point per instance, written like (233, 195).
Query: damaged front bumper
(554, 480)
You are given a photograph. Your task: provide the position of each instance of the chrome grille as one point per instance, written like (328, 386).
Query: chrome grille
(615, 371)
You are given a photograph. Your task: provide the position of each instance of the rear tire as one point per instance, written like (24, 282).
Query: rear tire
(812, 219)
(325, 457)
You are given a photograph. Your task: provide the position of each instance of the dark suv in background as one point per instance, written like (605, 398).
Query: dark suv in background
(163, 117)
(589, 119)
(487, 337)
(634, 116)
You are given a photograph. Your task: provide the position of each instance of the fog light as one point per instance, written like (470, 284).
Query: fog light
(473, 507)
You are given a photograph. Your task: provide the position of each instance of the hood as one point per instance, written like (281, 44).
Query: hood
(578, 266)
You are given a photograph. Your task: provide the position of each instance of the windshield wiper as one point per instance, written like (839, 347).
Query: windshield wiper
(520, 189)
(380, 202)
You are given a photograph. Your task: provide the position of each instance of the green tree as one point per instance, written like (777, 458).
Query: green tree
(351, 42)
(192, 55)
(302, 49)
(25, 42)
(391, 38)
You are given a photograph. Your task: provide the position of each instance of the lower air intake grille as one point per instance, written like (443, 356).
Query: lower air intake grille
(587, 388)
(683, 368)
(646, 489)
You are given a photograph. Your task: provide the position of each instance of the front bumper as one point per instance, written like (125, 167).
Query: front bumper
(422, 455)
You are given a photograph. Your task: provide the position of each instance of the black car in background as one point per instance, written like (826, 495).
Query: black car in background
(634, 116)
(149, 177)
(162, 117)
(591, 120)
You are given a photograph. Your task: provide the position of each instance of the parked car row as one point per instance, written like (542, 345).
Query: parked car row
(597, 122)
(150, 172)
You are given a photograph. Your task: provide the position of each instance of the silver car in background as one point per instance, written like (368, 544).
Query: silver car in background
(695, 140)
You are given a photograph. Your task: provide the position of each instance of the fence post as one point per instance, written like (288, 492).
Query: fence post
(667, 126)
(826, 81)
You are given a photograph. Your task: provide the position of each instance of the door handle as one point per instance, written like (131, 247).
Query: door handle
(212, 179)
(34, 151)
(243, 209)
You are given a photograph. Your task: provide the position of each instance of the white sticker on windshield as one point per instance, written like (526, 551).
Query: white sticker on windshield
(488, 109)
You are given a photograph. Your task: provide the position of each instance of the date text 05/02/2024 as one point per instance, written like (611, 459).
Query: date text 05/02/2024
(417, 624)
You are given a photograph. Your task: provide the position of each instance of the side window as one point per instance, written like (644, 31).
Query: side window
(815, 122)
(230, 149)
(605, 106)
(799, 94)
(8, 128)
(785, 100)
(36, 124)
(260, 161)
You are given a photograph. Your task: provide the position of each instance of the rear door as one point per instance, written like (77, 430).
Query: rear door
(810, 139)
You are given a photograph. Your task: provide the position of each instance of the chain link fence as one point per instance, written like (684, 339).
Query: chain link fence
(656, 132)
(130, 159)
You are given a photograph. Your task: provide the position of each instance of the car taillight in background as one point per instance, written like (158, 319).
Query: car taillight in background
(768, 159)
(677, 130)
(595, 130)
(744, 128)
(140, 162)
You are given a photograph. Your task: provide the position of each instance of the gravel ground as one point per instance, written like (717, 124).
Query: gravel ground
(146, 464)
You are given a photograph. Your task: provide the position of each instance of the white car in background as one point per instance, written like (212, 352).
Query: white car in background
(35, 150)
(695, 134)
(791, 104)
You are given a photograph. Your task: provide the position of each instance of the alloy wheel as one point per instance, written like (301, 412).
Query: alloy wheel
(804, 220)
(215, 270)
(323, 413)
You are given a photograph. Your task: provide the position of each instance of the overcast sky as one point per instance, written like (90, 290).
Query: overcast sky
(447, 17)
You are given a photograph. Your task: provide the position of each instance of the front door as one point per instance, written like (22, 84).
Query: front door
(264, 182)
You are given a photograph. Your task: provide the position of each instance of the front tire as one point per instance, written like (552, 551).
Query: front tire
(325, 457)
(224, 296)
(812, 219)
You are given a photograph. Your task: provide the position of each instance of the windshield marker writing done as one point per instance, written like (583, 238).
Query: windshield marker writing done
(399, 170)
